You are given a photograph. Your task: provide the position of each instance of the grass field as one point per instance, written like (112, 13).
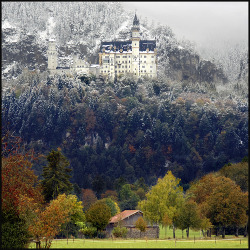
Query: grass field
(142, 243)
(195, 241)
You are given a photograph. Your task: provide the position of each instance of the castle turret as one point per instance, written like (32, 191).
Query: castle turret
(135, 38)
(52, 56)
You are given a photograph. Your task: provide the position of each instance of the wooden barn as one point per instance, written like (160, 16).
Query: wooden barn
(127, 218)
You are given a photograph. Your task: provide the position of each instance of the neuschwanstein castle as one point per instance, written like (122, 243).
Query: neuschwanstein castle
(132, 57)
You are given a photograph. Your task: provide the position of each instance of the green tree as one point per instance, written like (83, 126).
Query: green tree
(56, 176)
(188, 216)
(75, 214)
(114, 208)
(237, 172)
(166, 197)
(128, 198)
(166, 221)
(98, 215)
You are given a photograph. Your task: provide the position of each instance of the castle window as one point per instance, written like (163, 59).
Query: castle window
(152, 56)
(115, 66)
(122, 61)
(151, 66)
(145, 56)
(145, 71)
(122, 66)
(116, 71)
(118, 56)
(144, 61)
(128, 61)
(143, 66)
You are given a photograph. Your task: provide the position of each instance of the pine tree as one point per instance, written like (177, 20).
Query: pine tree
(56, 176)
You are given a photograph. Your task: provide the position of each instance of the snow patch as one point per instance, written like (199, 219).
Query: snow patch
(7, 25)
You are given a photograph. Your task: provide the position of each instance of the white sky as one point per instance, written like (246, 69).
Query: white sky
(201, 22)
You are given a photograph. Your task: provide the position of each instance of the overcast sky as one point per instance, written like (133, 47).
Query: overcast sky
(201, 22)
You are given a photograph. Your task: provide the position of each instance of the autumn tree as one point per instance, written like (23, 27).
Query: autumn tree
(49, 221)
(18, 180)
(98, 215)
(56, 176)
(221, 200)
(166, 197)
(110, 194)
(88, 198)
(141, 225)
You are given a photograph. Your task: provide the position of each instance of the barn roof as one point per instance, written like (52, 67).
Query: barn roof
(123, 215)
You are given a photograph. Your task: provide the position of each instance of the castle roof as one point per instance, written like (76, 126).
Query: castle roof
(113, 46)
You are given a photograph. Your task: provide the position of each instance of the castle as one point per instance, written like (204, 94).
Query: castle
(133, 57)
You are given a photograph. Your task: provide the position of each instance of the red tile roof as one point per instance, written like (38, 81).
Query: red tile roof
(123, 215)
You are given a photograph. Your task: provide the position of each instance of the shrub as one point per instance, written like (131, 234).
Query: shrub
(120, 232)
(89, 232)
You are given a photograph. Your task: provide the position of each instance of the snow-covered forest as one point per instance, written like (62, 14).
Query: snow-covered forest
(192, 120)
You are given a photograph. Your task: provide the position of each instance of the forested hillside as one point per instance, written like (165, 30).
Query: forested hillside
(128, 128)
(192, 120)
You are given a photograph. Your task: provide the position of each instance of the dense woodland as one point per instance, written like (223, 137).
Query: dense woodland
(128, 128)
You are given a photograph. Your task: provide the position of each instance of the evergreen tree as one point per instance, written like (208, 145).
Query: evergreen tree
(56, 176)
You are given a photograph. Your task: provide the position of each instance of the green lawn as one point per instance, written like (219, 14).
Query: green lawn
(193, 242)
(125, 243)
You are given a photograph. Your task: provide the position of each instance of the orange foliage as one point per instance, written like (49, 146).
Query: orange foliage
(18, 178)
(110, 194)
(90, 120)
(131, 149)
(88, 198)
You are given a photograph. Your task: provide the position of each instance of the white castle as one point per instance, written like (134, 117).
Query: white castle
(133, 57)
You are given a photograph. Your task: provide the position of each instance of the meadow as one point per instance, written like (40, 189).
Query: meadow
(143, 243)
(194, 241)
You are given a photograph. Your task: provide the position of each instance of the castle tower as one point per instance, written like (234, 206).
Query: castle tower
(135, 38)
(52, 56)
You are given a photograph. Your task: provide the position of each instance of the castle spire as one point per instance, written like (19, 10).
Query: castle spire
(136, 20)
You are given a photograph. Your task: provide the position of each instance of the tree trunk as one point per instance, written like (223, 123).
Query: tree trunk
(223, 232)
(203, 233)
(237, 231)
(217, 231)
(245, 233)
(182, 233)
(188, 232)
(173, 231)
